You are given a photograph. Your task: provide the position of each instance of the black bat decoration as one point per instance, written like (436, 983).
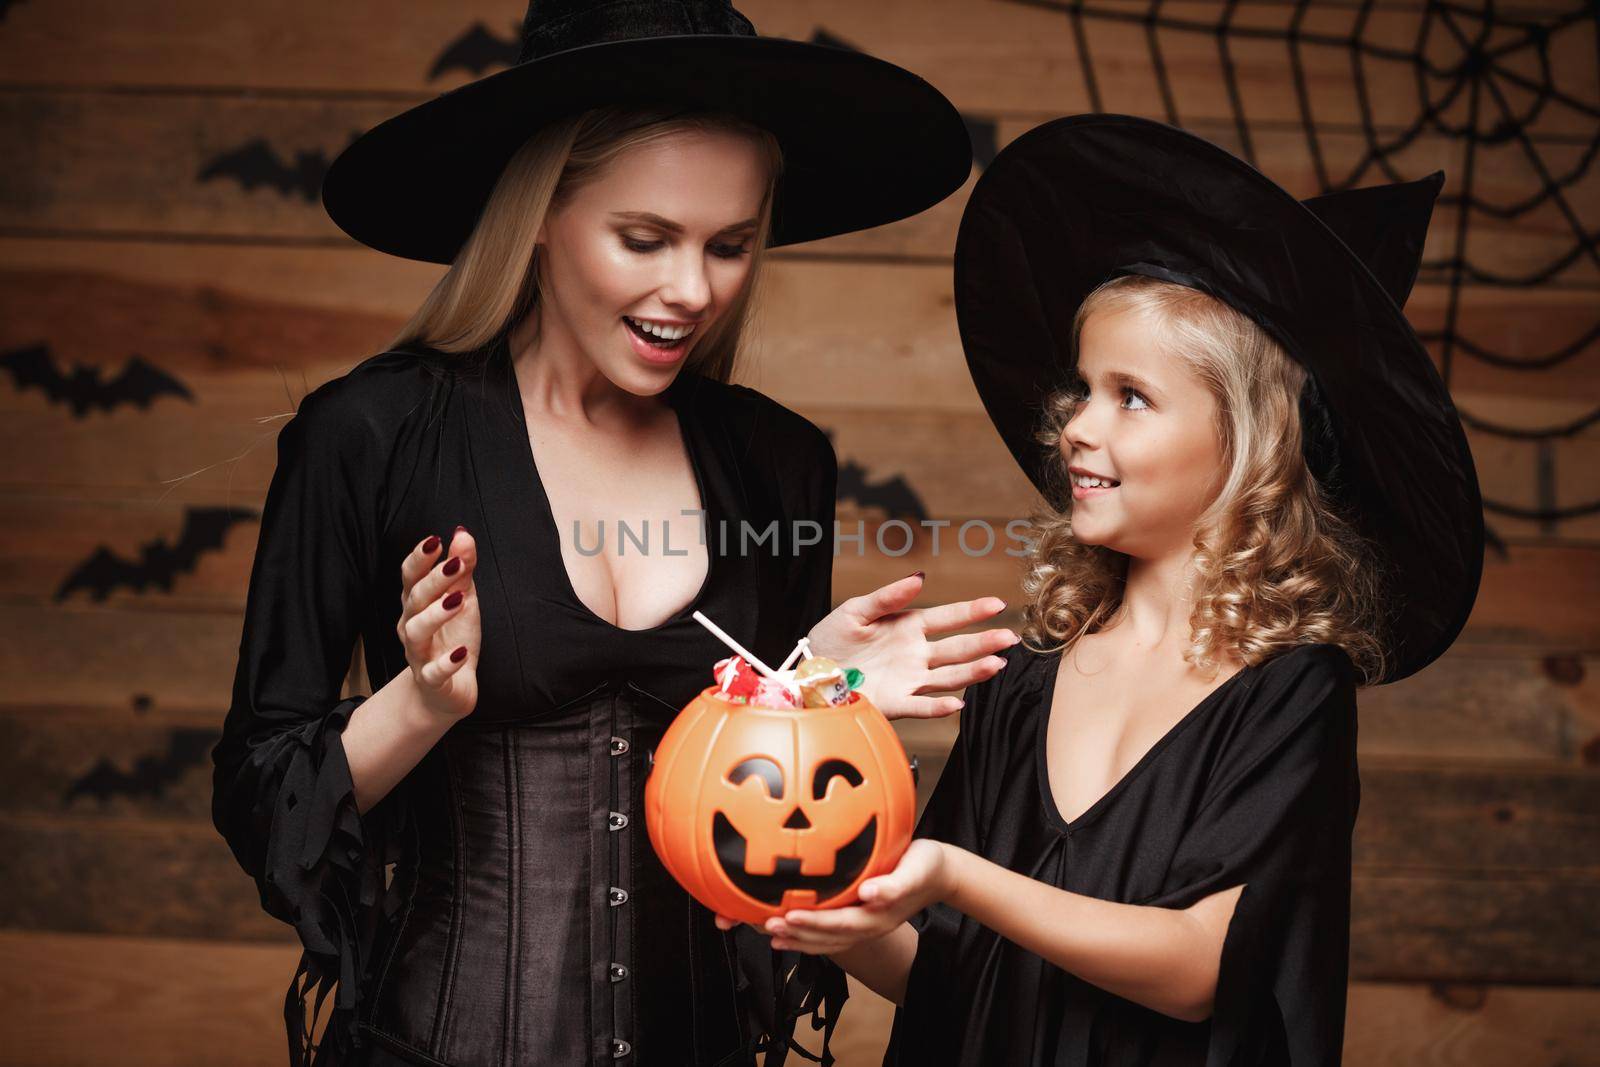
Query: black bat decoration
(203, 530)
(150, 775)
(257, 163)
(983, 132)
(83, 389)
(894, 494)
(476, 51)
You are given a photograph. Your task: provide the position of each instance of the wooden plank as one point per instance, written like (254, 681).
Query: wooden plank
(988, 57)
(170, 660)
(1474, 704)
(214, 422)
(1388, 1024)
(148, 655)
(1420, 928)
(106, 763)
(1482, 821)
(1503, 762)
(77, 1000)
(830, 333)
(172, 1003)
(138, 877)
(117, 876)
(250, 169)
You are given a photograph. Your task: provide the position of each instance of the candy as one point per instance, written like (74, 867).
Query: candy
(735, 677)
(822, 683)
(772, 694)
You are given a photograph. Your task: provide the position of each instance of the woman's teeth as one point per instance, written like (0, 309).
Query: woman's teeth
(1085, 482)
(658, 332)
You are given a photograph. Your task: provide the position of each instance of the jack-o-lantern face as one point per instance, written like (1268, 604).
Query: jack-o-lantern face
(757, 810)
(808, 836)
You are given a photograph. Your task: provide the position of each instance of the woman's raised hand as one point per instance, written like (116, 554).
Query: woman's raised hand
(439, 625)
(891, 644)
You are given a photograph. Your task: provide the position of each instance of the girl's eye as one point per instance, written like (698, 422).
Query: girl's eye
(1134, 394)
(726, 251)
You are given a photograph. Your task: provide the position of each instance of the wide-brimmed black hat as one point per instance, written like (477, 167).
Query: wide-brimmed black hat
(864, 142)
(1082, 199)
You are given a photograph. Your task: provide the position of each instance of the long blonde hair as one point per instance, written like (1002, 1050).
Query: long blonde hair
(494, 280)
(1275, 562)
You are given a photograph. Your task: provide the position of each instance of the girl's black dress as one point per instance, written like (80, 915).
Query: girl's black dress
(1256, 785)
(527, 920)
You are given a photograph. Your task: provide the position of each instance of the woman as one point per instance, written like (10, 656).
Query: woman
(1139, 851)
(569, 370)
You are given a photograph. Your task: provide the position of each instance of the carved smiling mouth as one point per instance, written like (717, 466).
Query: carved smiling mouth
(770, 888)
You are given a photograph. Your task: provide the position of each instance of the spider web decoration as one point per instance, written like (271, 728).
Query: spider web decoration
(1484, 78)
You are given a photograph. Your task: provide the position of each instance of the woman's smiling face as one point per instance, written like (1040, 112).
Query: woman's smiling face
(1147, 427)
(638, 263)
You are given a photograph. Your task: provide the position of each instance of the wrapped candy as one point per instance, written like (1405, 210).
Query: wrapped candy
(736, 678)
(823, 683)
(773, 694)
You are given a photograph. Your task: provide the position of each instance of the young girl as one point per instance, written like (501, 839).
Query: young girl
(1139, 851)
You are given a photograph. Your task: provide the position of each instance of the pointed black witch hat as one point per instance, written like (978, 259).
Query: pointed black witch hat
(1079, 200)
(864, 142)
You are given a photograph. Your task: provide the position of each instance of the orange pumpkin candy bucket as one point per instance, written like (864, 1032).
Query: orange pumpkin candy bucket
(756, 810)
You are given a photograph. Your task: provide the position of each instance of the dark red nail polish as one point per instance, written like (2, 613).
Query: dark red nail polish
(453, 565)
(459, 654)
(458, 529)
(916, 574)
(453, 601)
(431, 545)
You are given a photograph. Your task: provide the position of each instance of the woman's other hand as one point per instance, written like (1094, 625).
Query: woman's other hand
(439, 625)
(890, 644)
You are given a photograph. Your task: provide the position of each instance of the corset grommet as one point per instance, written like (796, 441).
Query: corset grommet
(618, 972)
(619, 1048)
(617, 896)
(916, 778)
(617, 821)
(619, 746)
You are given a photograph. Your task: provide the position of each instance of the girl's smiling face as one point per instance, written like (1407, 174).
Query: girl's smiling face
(638, 263)
(1146, 427)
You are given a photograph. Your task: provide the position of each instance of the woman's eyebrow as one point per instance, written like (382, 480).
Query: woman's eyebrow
(653, 219)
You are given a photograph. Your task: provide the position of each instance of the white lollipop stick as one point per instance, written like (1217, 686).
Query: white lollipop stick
(803, 646)
(749, 657)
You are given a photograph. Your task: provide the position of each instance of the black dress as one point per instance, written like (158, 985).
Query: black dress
(1256, 785)
(527, 919)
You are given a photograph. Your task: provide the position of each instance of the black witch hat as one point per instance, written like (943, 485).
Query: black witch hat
(864, 142)
(1079, 200)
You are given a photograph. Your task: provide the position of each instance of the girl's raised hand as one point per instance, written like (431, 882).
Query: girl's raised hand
(439, 627)
(892, 644)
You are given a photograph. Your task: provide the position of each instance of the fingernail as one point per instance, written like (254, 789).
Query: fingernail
(915, 574)
(453, 565)
(431, 545)
(459, 654)
(458, 529)
(453, 601)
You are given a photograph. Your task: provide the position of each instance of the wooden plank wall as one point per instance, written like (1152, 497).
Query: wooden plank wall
(130, 231)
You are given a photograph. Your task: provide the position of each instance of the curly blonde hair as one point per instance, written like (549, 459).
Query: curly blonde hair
(1276, 564)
